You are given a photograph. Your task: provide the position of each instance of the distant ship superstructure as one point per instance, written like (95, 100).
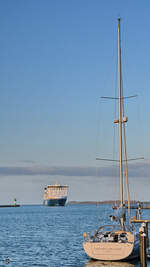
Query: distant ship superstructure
(55, 195)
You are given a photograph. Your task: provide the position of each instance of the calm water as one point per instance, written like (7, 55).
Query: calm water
(50, 236)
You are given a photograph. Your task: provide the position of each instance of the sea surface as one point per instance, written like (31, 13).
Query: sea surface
(43, 236)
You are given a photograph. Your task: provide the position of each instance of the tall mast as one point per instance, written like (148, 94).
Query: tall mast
(120, 114)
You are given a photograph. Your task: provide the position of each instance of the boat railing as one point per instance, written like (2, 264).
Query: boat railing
(104, 232)
(100, 231)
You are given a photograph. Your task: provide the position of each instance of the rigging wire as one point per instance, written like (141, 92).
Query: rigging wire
(98, 132)
(125, 156)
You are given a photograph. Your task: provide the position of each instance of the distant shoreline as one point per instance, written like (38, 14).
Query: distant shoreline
(105, 202)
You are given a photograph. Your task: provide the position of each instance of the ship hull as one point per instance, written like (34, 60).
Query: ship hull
(55, 202)
(113, 251)
(108, 251)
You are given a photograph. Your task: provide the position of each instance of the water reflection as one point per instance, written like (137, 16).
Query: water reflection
(92, 263)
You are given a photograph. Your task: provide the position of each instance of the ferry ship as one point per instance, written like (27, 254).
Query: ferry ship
(55, 195)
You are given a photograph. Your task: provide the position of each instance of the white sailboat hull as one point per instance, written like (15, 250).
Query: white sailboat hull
(108, 251)
(113, 251)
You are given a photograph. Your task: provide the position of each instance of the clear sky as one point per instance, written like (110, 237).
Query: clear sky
(56, 59)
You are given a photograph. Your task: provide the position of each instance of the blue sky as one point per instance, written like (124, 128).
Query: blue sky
(56, 59)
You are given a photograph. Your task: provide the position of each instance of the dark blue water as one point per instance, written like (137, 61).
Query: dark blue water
(50, 236)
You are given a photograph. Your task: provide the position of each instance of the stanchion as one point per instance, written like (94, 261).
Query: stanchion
(143, 245)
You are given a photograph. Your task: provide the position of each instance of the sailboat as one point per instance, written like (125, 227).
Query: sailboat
(118, 241)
